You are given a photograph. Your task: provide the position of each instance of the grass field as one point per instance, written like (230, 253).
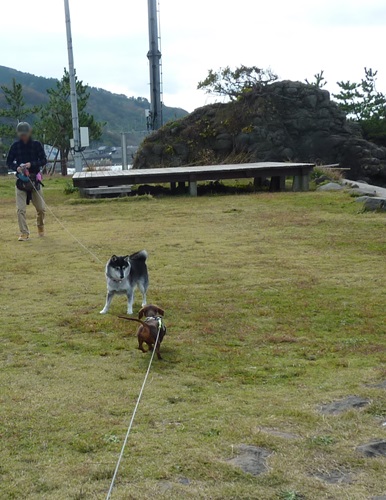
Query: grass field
(275, 304)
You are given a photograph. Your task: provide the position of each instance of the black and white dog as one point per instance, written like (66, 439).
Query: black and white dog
(123, 275)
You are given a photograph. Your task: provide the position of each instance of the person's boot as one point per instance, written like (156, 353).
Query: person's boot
(41, 231)
(24, 237)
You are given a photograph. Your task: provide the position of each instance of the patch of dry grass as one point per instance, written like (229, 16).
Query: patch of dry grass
(275, 304)
(334, 174)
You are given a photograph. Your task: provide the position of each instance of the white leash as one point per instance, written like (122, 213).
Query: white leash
(148, 368)
(64, 227)
(133, 417)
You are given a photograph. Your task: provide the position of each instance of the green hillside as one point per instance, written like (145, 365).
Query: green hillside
(121, 113)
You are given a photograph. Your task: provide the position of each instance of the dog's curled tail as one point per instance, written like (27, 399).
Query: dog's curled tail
(133, 319)
(142, 255)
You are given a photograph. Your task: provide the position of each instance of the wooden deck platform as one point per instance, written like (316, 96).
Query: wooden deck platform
(278, 172)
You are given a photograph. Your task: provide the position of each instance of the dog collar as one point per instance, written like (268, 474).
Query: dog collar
(114, 279)
(159, 319)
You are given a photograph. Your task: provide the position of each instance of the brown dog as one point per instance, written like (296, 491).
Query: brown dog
(151, 328)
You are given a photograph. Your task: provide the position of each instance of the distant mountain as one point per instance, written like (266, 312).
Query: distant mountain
(121, 113)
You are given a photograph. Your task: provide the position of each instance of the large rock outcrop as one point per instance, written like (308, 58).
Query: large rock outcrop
(284, 121)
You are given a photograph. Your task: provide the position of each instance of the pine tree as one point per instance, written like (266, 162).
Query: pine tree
(362, 102)
(319, 80)
(233, 83)
(55, 124)
(15, 109)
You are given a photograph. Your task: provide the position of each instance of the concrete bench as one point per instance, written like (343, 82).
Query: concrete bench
(105, 191)
(276, 171)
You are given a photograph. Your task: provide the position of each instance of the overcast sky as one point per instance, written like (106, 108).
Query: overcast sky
(295, 38)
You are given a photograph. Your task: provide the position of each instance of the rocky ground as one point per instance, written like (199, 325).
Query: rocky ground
(373, 197)
(284, 121)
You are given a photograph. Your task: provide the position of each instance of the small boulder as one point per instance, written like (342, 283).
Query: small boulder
(311, 101)
(331, 186)
(322, 178)
(223, 142)
(334, 477)
(251, 459)
(373, 204)
(165, 486)
(361, 192)
(350, 403)
(362, 199)
(373, 449)
(378, 385)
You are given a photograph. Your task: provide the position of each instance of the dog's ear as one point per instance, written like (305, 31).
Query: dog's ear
(114, 258)
(160, 311)
(126, 259)
(142, 312)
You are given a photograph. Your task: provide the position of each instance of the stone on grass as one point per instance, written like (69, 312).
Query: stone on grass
(334, 477)
(380, 385)
(360, 192)
(373, 449)
(362, 199)
(165, 486)
(373, 204)
(251, 459)
(322, 178)
(349, 403)
(331, 186)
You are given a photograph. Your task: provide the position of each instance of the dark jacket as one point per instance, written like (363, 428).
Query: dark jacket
(32, 152)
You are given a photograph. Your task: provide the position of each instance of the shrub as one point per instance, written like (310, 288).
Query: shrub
(69, 188)
(331, 173)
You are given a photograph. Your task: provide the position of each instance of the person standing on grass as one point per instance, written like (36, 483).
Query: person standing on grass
(26, 157)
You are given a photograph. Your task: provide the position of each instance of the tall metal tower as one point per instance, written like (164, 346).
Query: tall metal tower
(73, 95)
(155, 119)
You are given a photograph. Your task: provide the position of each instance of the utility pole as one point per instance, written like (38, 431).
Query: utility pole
(73, 93)
(154, 55)
(124, 152)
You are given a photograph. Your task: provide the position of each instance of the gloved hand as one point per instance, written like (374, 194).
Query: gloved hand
(22, 177)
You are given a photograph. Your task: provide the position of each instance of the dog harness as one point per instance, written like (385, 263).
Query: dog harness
(160, 323)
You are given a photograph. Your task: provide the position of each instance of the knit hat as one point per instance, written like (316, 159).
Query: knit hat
(23, 128)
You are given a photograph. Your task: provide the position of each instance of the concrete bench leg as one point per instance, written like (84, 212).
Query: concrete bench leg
(173, 187)
(301, 182)
(258, 183)
(297, 185)
(193, 188)
(305, 182)
(277, 183)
